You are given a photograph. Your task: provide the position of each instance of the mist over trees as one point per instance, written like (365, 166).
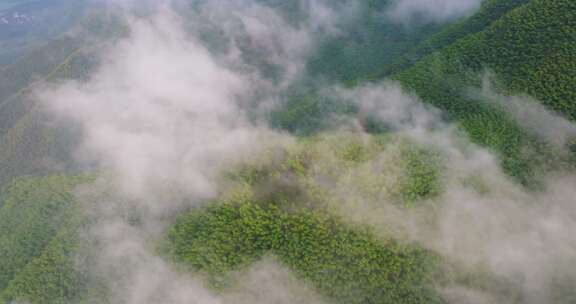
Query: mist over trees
(300, 151)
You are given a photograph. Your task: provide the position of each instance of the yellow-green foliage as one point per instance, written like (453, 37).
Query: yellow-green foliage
(345, 264)
(309, 113)
(41, 220)
(422, 176)
(294, 208)
(52, 276)
(335, 170)
(295, 187)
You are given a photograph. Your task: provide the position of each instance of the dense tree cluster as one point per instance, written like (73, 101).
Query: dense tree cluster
(530, 50)
(277, 206)
(36, 256)
(345, 264)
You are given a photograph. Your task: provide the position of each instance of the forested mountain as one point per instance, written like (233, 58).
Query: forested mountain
(160, 154)
(529, 51)
(32, 142)
(43, 221)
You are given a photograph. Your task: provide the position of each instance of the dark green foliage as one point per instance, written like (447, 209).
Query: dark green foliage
(365, 44)
(342, 263)
(490, 12)
(486, 126)
(529, 45)
(533, 50)
(309, 114)
(521, 48)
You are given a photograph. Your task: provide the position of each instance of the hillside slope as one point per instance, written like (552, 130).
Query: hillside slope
(490, 11)
(310, 205)
(36, 256)
(531, 50)
(31, 141)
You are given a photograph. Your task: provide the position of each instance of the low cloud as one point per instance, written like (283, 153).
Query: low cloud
(482, 220)
(410, 11)
(165, 114)
(160, 112)
(161, 117)
(532, 115)
(391, 105)
(269, 282)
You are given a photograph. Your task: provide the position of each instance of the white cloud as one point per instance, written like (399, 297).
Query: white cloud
(163, 117)
(409, 11)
